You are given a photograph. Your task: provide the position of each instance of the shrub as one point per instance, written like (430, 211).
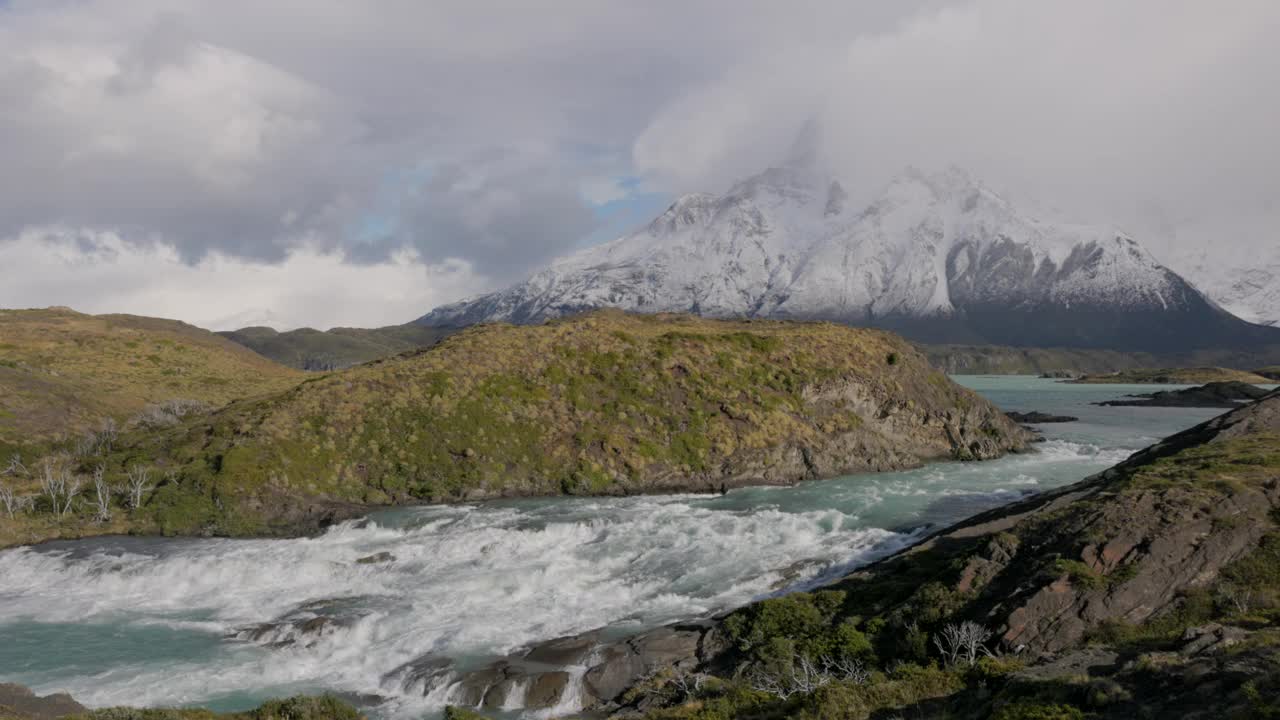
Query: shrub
(1037, 711)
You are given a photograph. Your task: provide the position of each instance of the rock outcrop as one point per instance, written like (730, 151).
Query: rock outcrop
(1212, 395)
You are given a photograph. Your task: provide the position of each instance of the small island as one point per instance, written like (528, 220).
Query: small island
(1211, 395)
(1174, 376)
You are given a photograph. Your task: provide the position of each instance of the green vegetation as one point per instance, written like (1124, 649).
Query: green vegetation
(62, 373)
(325, 350)
(1212, 467)
(603, 403)
(1175, 376)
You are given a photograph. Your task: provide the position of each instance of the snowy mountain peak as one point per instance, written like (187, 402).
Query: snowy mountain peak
(937, 255)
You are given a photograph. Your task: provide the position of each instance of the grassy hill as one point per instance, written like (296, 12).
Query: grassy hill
(323, 350)
(63, 372)
(605, 403)
(1175, 376)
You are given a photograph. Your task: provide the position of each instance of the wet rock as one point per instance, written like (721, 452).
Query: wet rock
(546, 689)
(623, 664)
(20, 702)
(381, 557)
(473, 689)
(564, 651)
(422, 675)
(508, 691)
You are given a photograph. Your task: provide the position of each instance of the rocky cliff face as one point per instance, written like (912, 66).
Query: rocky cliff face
(938, 257)
(1166, 562)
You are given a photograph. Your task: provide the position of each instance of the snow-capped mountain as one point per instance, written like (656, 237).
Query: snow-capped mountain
(1246, 287)
(938, 256)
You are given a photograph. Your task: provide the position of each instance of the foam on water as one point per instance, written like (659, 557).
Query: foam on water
(149, 622)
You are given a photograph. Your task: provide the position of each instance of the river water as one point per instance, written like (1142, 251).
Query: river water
(144, 621)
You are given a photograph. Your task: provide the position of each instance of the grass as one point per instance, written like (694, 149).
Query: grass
(606, 403)
(62, 372)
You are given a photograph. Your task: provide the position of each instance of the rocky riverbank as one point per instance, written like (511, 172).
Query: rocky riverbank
(1148, 590)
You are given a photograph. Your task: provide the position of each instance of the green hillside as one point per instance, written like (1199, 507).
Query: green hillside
(601, 404)
(63, 373)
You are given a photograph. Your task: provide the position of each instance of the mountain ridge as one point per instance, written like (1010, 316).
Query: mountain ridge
(938, 257)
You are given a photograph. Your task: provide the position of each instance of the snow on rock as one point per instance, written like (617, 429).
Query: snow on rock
(786, 244)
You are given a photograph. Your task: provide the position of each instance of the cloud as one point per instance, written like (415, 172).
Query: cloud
(1145, 112)
(102, 273)
(465, 134)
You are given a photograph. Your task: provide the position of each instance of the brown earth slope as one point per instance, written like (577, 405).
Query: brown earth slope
(63, 372)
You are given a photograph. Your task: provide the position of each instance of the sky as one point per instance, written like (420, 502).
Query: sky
(328, 163)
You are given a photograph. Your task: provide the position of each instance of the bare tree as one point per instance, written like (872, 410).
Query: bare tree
(962, 642)
(10, 500)
(804, 675)
(15, 467)
(53, 483)
(1236, 597)
(72, 490)
(689, 684)
(60, 486)
(846, 669)
(137, 485)
(108, 434)
(103, 496)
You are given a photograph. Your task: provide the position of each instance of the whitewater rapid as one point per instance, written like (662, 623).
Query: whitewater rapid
(466, 581)
(145, 621)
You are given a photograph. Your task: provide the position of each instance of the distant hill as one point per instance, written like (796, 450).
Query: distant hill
(309, 349)
(64, 372)
(1005, 360)
(605, 403)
